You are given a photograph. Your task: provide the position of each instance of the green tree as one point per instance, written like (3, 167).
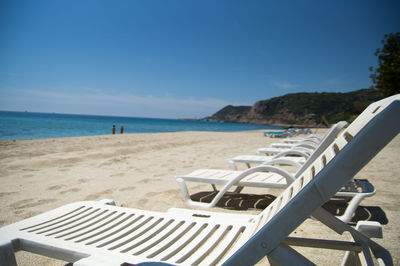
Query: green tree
(387, 76)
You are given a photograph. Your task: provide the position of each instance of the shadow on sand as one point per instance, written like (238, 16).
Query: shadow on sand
(241, 201)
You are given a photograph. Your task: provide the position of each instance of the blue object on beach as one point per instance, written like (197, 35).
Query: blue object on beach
(277, 132)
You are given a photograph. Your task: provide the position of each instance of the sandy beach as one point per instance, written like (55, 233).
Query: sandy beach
(137, 170)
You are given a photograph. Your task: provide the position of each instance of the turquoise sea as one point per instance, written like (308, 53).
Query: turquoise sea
(28, 125)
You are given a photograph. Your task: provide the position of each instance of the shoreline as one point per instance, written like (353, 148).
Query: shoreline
(128, 133)
(314, 130)
(139, 133)
(21, 125)
(137, 170)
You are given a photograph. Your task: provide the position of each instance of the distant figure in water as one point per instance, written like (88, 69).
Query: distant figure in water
(113, 129)
(122, 129)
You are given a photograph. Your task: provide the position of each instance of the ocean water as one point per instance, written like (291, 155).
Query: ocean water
(27, 125)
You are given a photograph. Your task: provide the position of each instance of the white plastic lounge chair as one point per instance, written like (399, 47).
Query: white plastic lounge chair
(311, 142)
(302, 146)
(304, 131)
(300, 139)
(267, 176)
(290, 157)
(93, 233)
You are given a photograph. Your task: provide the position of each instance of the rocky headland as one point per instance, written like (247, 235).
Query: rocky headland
(300, 109)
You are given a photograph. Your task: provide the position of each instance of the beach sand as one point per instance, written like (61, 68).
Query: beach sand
(137, 170)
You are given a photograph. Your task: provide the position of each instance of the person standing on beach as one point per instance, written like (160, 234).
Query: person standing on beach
(122, 129)
(113, 129)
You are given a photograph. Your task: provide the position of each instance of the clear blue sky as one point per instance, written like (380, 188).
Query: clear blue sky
(175, 59)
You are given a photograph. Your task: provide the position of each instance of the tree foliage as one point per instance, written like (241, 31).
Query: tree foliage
(387, 76)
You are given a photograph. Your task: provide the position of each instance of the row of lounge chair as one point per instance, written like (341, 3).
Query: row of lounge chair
(302, 148)
(99, 233)
(267, 175)
(290, 132)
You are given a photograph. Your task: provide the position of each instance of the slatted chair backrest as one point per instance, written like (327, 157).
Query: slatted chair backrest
(348, 154)
(325, 142)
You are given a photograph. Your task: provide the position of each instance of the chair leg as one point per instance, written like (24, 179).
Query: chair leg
(232, 164)
(351, 258)
(285, 255)
(380, 253)
(7, 256)
(238, 189)
(272, 262)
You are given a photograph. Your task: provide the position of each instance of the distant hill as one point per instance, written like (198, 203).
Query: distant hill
(231, 113)
(304, 109)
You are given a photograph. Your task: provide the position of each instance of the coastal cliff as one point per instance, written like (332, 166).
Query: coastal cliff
(300, 109)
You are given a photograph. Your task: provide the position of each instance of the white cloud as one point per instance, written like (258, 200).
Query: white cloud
(283, 85)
